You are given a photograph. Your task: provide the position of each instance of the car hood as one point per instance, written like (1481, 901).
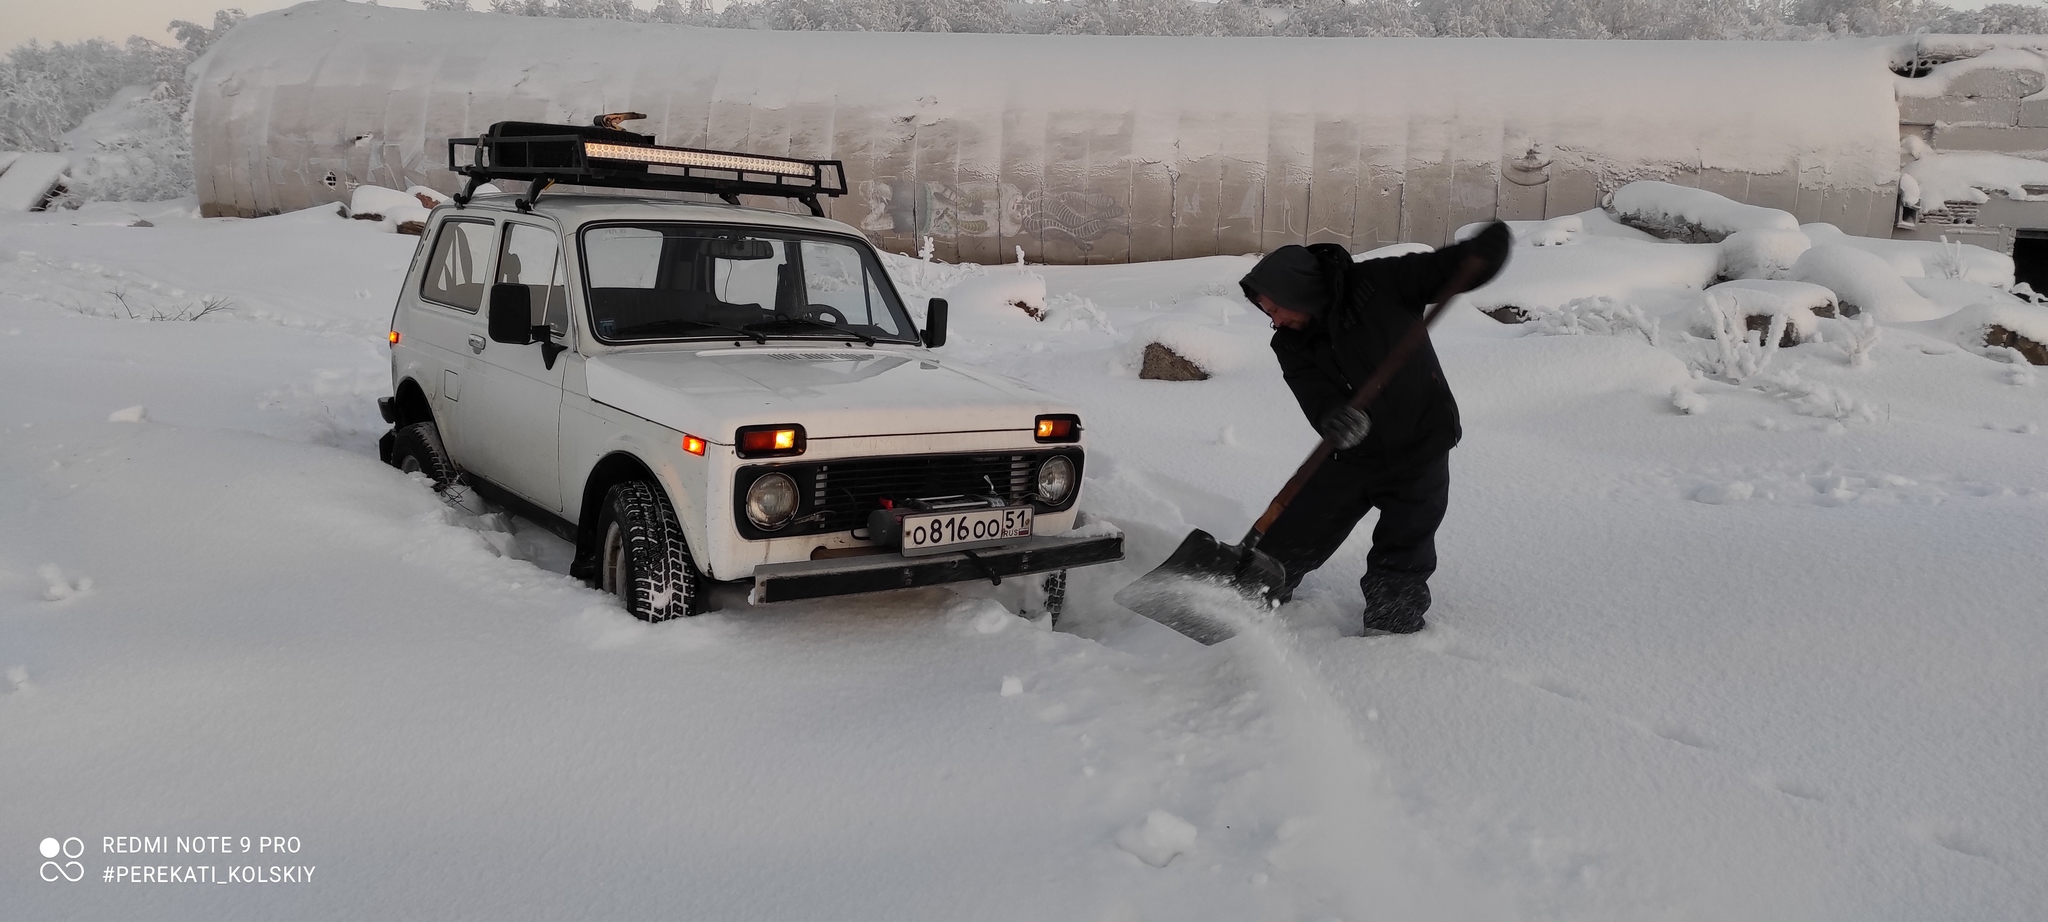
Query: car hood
(832, 393)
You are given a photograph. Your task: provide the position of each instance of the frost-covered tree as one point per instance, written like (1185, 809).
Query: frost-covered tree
(140, 150)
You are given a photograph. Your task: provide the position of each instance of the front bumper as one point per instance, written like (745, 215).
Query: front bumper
(817, 579)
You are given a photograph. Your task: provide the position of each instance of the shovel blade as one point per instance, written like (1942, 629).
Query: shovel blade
(1195, 589)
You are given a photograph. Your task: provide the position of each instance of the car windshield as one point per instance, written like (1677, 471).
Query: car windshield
(692, 281)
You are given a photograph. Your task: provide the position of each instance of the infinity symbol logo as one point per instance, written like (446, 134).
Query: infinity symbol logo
(69, 870)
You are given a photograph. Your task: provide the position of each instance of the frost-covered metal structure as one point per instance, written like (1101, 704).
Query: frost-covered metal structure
(1074, 148)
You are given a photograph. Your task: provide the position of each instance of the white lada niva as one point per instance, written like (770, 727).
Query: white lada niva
(698, 392)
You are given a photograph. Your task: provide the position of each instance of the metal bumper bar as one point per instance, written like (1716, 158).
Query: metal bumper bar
(816, 579)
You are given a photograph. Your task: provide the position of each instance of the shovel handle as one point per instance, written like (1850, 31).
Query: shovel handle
(1461, 281)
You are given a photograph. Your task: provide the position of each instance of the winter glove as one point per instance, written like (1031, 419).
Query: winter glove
(1491, 246)
(1345, 426)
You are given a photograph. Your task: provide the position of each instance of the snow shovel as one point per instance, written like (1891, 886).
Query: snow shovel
(1182, 592)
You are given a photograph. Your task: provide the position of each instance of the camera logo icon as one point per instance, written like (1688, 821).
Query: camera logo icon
(72, 871)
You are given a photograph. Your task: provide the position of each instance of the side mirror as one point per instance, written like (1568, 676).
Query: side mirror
(510, 317)
(935, 323)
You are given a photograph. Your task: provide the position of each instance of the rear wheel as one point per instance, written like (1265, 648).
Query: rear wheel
(416, 449)
(642, 557)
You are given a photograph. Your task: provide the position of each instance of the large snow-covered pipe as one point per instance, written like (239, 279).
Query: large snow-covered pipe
(1074, 148)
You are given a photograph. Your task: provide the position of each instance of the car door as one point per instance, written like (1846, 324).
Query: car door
(448, 327)
(513, 403)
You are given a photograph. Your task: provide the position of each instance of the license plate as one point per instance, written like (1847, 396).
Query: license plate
(937, 533)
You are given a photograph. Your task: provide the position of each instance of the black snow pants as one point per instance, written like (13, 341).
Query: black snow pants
(1411, 504)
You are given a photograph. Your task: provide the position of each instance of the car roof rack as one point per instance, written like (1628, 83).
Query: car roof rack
(603, 154)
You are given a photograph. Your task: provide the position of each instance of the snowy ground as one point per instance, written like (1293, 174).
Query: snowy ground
(1779, 655)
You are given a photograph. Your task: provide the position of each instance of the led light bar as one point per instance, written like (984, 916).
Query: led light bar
(672, 156)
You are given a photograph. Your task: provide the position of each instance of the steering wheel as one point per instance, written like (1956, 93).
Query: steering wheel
(827, 313)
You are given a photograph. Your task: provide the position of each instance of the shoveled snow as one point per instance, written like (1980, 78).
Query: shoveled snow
(1722, 631)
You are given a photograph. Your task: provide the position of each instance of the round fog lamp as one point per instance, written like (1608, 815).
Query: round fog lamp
(772, 501)
(1055, 479)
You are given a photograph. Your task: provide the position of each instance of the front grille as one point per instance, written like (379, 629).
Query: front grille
(839, 494)
(846, 491)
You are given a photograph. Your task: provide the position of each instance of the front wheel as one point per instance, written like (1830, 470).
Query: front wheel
(416, 449)
(642, 557)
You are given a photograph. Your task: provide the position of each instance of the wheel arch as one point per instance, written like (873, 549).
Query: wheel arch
(615, 468)
(412, 406)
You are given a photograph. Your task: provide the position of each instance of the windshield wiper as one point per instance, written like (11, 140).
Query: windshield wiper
(865, 339)
(687, 324)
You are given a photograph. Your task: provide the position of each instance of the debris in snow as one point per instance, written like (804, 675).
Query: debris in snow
(1998, 336)
(1158, 838)
(1691, 215)
(134, 414)
(1000, 292)
(17, 676)
(1793, 309)
(1189, 350)
(1164, 364)
(59, 587)
(1012, 686)
(31, 181)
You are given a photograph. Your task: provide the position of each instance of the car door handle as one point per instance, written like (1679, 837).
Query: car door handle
(476, 344)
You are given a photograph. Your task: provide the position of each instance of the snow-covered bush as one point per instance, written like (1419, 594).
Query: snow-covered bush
(141, 148)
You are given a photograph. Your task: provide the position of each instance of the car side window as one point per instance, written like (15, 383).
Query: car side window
(460, 265)
(532, 256)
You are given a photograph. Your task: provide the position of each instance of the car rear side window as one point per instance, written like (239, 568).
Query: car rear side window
(460, 267)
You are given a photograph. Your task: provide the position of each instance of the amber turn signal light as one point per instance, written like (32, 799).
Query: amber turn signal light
(392, 337)
(770, 441)
(693, 444)
(1064, 427)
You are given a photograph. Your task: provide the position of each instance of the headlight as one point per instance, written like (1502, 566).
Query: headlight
(1056, 479)
(772, 501)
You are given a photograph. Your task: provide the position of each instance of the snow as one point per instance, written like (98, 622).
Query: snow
(1158, 839)
(1799, 303)
(29, 179)
(1941, 177)
(1548, 277)
(1925, 258)
(1722, 630)
(1663, 204)
(1863, 281)
(1762, 254)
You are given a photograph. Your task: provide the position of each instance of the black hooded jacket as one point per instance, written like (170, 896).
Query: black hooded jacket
(1365, 308)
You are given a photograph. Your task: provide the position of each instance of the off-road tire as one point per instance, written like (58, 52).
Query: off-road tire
(642, 557)
(417, 448)
(1055, 589)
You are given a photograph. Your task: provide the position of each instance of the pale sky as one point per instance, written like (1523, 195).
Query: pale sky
(72, 20)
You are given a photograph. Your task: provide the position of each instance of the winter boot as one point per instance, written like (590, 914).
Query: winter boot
(1394, 602)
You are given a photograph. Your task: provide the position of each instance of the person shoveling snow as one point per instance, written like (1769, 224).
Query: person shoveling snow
(1352, 340)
